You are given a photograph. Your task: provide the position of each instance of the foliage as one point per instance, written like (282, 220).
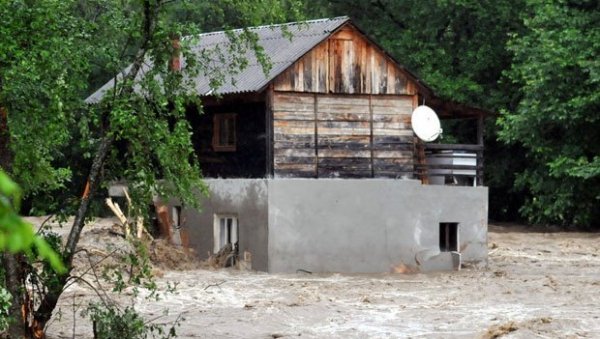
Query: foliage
(41, 276)
(51, 51)
(55, 53)
(5, 298)
(150, 123)
(109, 321)
(41, 78)
(557, 70)
(134, 269)
(16, 235)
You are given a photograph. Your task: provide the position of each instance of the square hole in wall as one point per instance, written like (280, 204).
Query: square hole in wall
(449, 237)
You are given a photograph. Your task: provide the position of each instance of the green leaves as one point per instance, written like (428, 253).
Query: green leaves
(110, 321)
(9, 188)
(556, 71)
(5, 302)
(16, 235)
(42, 77)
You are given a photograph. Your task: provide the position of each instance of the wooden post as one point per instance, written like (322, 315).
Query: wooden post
(371, 135)
(480, 130)
(269, 141)
(479, 163)
(421, 161)
(419, 152)
(315, 111)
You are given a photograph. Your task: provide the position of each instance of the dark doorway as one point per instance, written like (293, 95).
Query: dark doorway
(449, 236)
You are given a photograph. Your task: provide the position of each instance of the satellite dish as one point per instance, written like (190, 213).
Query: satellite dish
(425, 123)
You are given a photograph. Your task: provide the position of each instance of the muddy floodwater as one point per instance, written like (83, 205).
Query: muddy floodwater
(537, 285)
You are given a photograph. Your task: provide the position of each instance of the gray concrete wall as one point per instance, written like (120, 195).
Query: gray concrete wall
(245, 198)
(369, 225)
(343, 225)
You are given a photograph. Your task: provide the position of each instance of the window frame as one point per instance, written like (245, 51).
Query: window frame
(232, 233)
(216, 139)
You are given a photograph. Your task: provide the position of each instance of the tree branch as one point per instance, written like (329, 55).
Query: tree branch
(50, 300)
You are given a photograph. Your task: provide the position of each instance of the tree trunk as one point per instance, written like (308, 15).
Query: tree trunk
(13, 275)
(13, 279)
(49, 301)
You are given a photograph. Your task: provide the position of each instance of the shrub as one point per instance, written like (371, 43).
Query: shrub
(111, 322)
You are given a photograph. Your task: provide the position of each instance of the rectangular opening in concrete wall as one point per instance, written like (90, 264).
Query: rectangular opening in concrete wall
(449, 237)
(225, 231)
(176, 216)
(176, 225)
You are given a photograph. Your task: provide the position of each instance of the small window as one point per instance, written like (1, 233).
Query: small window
(224, 132)
(449, 237)
(225, 232)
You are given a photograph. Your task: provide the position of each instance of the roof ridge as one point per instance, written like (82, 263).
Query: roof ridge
(308, 22)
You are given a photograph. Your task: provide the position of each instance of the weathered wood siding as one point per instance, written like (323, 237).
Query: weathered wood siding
(345, 63)
(294, 131)
(343, 110)
(343, 136)
(393, 141)
(320, 135)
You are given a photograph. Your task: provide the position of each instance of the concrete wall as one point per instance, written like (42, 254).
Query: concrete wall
(343, 225)
(245, 198)
(370, 225)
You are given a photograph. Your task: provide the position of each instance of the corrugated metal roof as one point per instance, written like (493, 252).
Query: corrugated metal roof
(279, 46)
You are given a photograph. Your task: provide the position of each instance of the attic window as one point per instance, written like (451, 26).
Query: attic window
(224, 132)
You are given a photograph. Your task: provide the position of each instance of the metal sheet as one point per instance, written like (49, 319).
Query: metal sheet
(283, 45)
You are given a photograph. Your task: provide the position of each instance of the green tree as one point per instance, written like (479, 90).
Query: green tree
(50, 49)
(557, 71)
(35, 43)
(41, 78)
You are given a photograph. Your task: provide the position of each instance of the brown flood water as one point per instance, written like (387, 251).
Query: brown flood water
(537, 285)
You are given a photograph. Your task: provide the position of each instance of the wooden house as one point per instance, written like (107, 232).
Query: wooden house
(333, 105)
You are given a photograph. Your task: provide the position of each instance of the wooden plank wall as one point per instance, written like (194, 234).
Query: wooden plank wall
(319, 135)
(393, 140)
(294, 146)
(345, 63)
(344, 136)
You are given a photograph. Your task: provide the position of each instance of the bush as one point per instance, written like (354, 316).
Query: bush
(111, 322)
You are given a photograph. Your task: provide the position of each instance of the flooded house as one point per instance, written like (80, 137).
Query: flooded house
(315, 166)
